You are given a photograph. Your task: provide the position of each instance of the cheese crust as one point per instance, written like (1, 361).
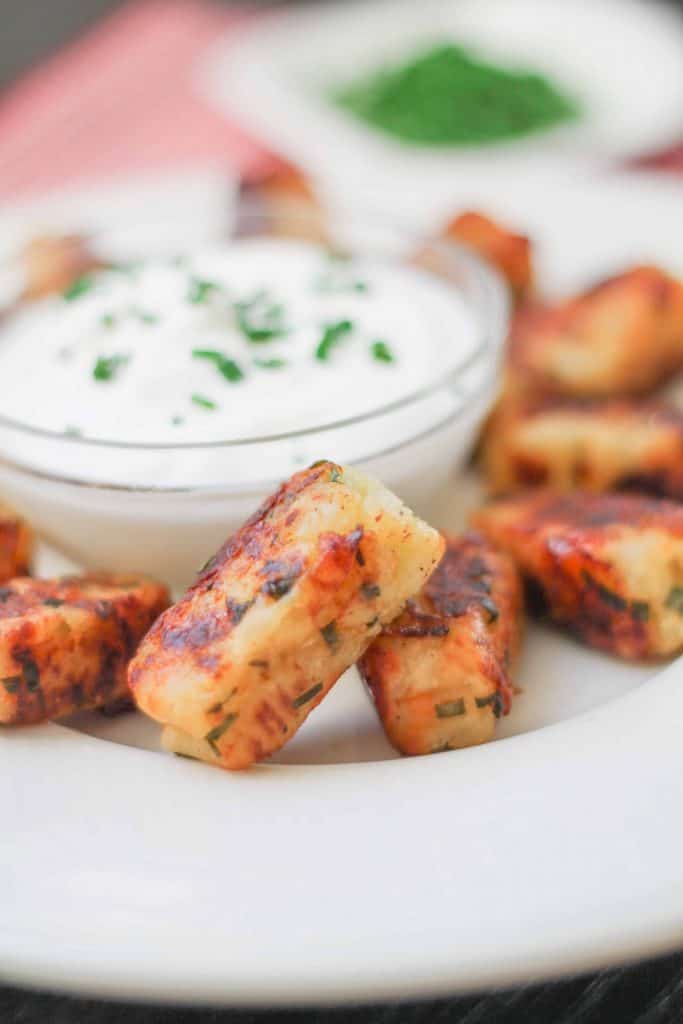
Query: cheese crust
(283, 609)
(440, 674)
(609, 567)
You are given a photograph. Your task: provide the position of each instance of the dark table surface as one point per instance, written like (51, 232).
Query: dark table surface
(646, 993)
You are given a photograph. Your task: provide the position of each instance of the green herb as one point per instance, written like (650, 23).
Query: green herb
(78, 287)
(107, 320)
(201, 290)
(381, 352)
(336, 475)
(107, 367)
(330, 635)
(450, 708)
(445, 96)
(304, 698)
(338, 282)
(216, 733)
(270, 364)
(675, 600)
(53, 602)
(11, 683)
(177, 421)
(202, 402)
(30, 675)
(441, 749)
(226, 366)
(145, 317)
(640, 610)
(370, 590)
(333, 335)
(609, 597)
(259, 319)
(494, 699)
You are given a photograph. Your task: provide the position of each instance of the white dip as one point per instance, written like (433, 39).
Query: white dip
(186, 352)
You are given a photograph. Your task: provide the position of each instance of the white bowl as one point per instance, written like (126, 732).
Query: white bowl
(164, 508)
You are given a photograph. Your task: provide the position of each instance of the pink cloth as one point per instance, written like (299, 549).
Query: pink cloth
(121, 99)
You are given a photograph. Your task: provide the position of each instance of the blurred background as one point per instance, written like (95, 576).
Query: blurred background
(153, 114)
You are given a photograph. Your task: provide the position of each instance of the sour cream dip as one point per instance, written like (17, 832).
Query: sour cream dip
(261, 337)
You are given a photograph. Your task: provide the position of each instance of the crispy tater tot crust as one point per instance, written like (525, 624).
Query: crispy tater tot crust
(16, 545)
(508, 252)
(65, 644)
(608, 567)
(287, 604)
(624, 336)
(594, 445)
(440, 673)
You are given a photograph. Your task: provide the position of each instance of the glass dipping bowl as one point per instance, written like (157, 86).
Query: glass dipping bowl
(163, 509)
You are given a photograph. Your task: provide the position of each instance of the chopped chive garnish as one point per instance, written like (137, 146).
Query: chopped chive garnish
(307, 696)
(381, 352)
(215, 734)
(640, 610)
(336, 475)
(450, 708)
(675, 600)
(202, 402)
(78, 287)
(226, 366)
(330, 635)
(332, 335)
(107, 320)
(11, 683)
(31, 675)
(493, 699)
(200, 290)
(177, 421)
(53, 602)
(338, 282)
(145, 317)
(370, 591)
(270, 364)
(107, 367)
(609, 597)
(259, 319)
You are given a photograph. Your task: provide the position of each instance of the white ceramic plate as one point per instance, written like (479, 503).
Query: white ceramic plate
(342, 872)
(622, 59)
